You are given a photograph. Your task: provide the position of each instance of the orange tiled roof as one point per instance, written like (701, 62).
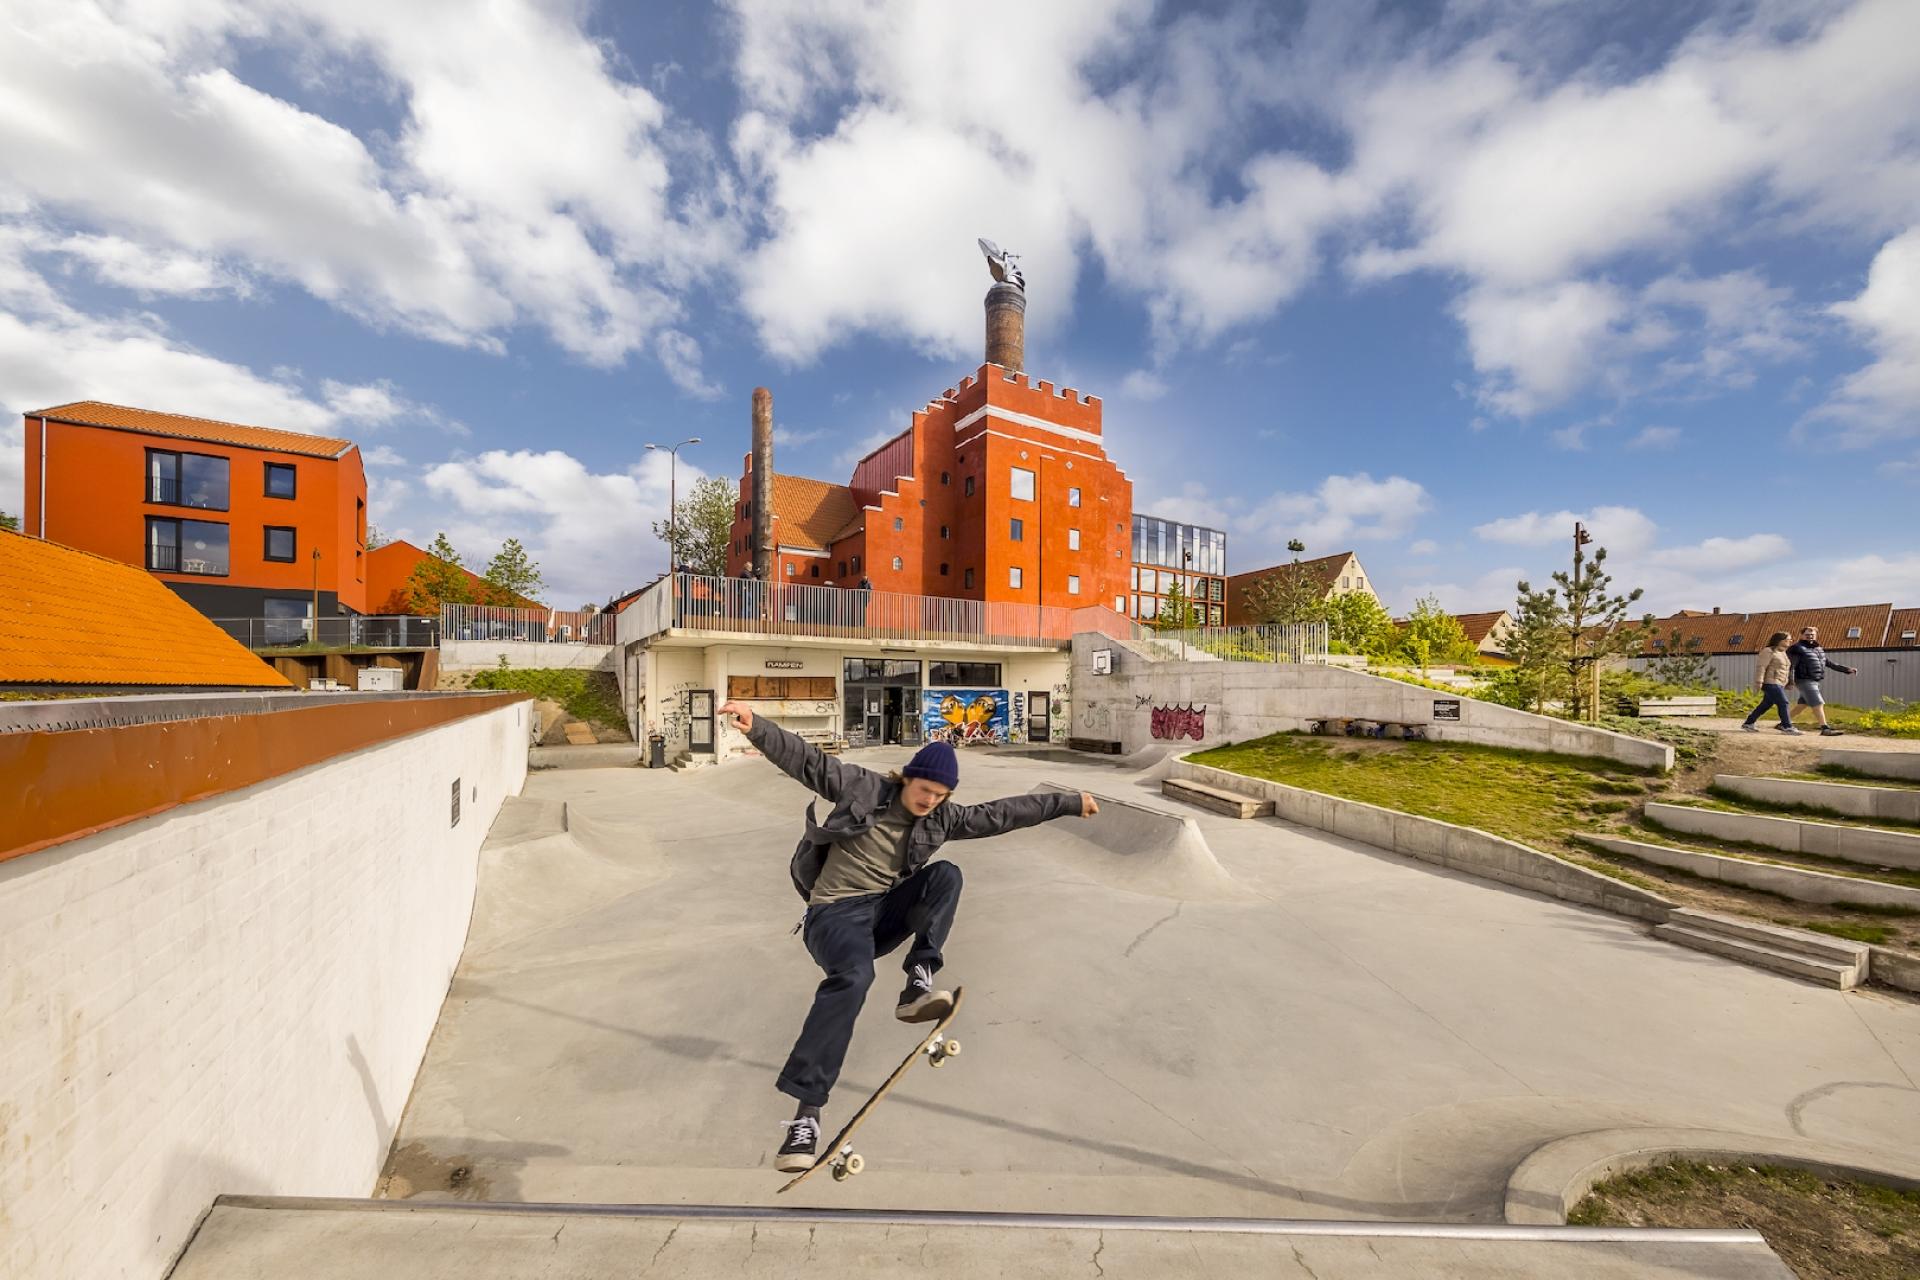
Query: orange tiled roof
(93, 413)
(1479, 625)
(1717, 631)
(76, 618)
(812, 513)
(1240, 585)
(1904, 620)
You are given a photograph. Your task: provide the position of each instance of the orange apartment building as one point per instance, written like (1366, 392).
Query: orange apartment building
(240, 521)
(1000, 490)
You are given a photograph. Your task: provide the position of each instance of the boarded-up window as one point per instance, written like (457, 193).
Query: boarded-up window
(782, 687)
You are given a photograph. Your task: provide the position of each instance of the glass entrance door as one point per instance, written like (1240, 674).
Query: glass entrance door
(1039, 719)
(700, 720)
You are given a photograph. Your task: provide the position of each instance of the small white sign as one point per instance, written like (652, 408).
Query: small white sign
(783, 664)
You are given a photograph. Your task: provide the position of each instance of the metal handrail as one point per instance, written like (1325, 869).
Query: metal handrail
(350, 632)
(540, 626)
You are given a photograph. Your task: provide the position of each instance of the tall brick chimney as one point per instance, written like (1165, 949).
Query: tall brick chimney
(762, 547)
(1007, 326)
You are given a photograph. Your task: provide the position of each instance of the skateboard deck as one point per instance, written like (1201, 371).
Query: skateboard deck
(839, 1155)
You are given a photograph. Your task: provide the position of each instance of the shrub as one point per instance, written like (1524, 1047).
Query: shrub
(1897, 717)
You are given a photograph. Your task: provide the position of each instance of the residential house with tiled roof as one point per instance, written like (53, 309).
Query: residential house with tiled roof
(240, 521)
(1336, 574)
(391, 564)
(76, 621)
(1858, 626)
(1487, 632)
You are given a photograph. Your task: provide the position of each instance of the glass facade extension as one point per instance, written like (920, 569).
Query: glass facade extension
(1166, 552)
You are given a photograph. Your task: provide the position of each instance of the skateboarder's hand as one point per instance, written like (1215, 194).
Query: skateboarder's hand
(1088, 805)
(739, 714)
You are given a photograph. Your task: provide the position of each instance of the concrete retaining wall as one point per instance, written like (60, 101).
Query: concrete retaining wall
(1227, 702)
(231, 996)
(1792, 835)
(1894, 968)
(1875, 764)
(1788, 882)
(485, 655)
(1460, 848)
(1896, 803)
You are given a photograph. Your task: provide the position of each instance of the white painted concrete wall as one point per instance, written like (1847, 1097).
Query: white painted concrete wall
(1246, 700)
(485, 655)
(231, 997)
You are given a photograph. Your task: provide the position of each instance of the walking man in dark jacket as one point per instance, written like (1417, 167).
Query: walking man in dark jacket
(1810, 667)
(870, 883)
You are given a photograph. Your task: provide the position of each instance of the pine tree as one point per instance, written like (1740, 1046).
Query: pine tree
(511, 576)
(1290, 594)
(1176, 611)
(1537, 643)
(1683, 662)
(10, 523)
(1596, 626)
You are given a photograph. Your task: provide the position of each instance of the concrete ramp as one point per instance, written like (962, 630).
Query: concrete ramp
(547, 866)
(1144, 850)
(365, 1240)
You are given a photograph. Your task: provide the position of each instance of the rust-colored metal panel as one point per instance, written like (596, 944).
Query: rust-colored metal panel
(741, 687)
(56, 787)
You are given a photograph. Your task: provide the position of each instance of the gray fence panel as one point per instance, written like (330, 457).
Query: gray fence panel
(1884, 673)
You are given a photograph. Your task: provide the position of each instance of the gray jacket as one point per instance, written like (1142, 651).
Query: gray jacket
(860, 795)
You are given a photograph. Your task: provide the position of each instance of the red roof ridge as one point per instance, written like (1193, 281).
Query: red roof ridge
(125, 418)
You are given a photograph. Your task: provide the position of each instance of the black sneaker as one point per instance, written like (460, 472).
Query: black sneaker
(801, 1151)
(1828, 731)
(919, 1002)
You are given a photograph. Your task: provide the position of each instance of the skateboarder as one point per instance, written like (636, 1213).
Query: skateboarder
(870, 883)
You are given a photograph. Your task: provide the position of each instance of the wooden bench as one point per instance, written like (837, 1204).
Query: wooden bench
(1218, 799)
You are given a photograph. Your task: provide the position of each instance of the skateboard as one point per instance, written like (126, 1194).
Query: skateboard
(839, 1154)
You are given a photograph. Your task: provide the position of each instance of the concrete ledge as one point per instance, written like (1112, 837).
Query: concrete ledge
(1894, 968)
(1899, 804)
(1548, 1184)
(1866, 845)
(1234, 804)
(533, 655)
(592, 755)
(1457, 848)
(1770, 877)
(1877, 764)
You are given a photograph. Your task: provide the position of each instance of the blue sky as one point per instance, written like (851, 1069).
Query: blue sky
(1424, 281)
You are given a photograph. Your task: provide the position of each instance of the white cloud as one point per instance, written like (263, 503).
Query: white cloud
(1491, 590)
(1883, 399)
(1535, 347)
(1194, 504)
(1622, 530)
(1655, 438)
(149, 270)
(1342, 510)
(1720, 555)
(1141, 384)
(1423, 547)
(591, 533)
(382, 456)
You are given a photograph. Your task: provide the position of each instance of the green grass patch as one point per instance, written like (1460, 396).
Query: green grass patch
(1841, 773)
(1690, 746)
(593, 696)
(1877, 934)
(1833, 1229)
(1717, 797)
(1652, 831)
(1533, 797)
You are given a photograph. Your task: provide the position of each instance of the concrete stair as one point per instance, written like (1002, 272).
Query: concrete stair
(1895, 804)
(1901, 766)
(1813, 957)
(1870, 846)
(690, 760)
(1218, 799)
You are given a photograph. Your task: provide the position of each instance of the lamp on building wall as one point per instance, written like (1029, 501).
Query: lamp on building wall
(673, 501)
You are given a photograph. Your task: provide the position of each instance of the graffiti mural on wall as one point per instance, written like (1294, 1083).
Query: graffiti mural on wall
(965, 717)
(1017, 726)
(1179, 722)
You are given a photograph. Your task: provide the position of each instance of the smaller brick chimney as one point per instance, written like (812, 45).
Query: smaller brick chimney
(1007, 327)
(762, 546)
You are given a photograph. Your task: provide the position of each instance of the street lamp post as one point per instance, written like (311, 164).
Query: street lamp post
(316, 595)
(673, 498)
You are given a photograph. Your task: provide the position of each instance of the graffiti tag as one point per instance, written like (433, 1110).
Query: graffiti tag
(1179, 722)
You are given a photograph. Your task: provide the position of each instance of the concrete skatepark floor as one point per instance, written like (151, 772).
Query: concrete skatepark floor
(1318, 1030)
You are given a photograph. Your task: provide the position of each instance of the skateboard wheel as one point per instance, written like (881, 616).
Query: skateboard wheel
(952, 1049)
(854, 1164)
(840, 1173)
(937, 1060)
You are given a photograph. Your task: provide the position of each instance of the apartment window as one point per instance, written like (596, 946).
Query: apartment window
(1346, 584)
(187, 546)
(280, 480)
(1073, 584)
(943, 477)
(969, 486)
(897, 524)
(967, 580)
(1149, 607)
(943, 570)
(1073, 539)
(1853, 633)
(1013, 577)
(943, 531)
(789, 568)
(843, 568)
(1017, 531)
(898, 565)
(187, 479)
(1073, 497)
(856, 564)
(1020, 484)
(1733, 641)
(1218, 614)
(1219, 591)
(813, 571)
(1150, 581)
(1119, 604)
(977, 674)
(280, 544)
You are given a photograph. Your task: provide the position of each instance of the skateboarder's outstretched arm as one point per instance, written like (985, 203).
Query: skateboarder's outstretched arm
(793, 755)
(978, 821)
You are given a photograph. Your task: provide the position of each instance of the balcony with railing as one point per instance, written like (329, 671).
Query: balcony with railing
(539, 626)
(340, 635)
(698, 606)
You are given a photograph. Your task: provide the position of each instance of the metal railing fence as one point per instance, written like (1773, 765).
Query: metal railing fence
(1273, 642)
(541, 626)
(381, 632)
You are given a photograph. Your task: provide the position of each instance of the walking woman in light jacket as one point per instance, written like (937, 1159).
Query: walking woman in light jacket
(1770, 673)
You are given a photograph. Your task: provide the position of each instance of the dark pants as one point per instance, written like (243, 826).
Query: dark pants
(1772, 695)
(844, 939)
